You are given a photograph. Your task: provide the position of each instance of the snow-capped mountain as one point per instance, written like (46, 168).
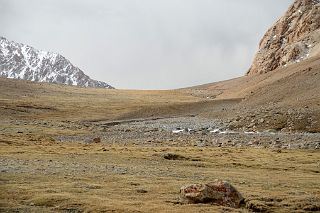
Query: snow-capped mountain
(21, 61)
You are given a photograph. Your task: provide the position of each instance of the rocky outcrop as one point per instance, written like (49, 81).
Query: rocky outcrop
(21, 61)
(293, 38)
(217, 192)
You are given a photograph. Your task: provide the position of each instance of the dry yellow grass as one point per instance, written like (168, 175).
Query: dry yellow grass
(105, 178)
(42, 101)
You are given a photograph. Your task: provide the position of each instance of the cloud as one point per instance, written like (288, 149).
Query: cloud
(145, 44)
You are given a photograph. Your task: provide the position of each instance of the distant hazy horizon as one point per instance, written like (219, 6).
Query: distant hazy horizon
(145, 44)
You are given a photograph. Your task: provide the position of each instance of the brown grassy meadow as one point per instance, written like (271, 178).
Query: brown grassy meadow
(40, 174)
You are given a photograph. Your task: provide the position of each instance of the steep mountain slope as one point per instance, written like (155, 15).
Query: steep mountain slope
(293, 38)
(21, 61)
(288, 98)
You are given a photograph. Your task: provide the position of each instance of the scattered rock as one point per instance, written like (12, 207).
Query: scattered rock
(93, 140)
(271, 131)
(172, 156)
(96, 140)
(217, 192)
(256, 206)
(134, 184)
(142, 191)
(217, 134)
(312, 208)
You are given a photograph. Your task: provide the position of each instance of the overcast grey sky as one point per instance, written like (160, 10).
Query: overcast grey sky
(145, 44)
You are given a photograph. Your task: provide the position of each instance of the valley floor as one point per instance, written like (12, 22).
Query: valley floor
(74, 177)
(67, 149)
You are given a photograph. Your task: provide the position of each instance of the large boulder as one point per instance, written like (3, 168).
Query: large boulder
(217, 192)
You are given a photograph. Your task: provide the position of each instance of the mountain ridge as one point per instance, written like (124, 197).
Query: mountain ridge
(20, 61)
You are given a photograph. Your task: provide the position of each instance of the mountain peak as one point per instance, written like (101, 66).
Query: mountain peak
(293, 38)
(21, 61)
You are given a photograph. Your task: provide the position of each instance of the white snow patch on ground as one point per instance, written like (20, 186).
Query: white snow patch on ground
(215, 131)
(176, 131)
(219, 131)
(227, 132)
